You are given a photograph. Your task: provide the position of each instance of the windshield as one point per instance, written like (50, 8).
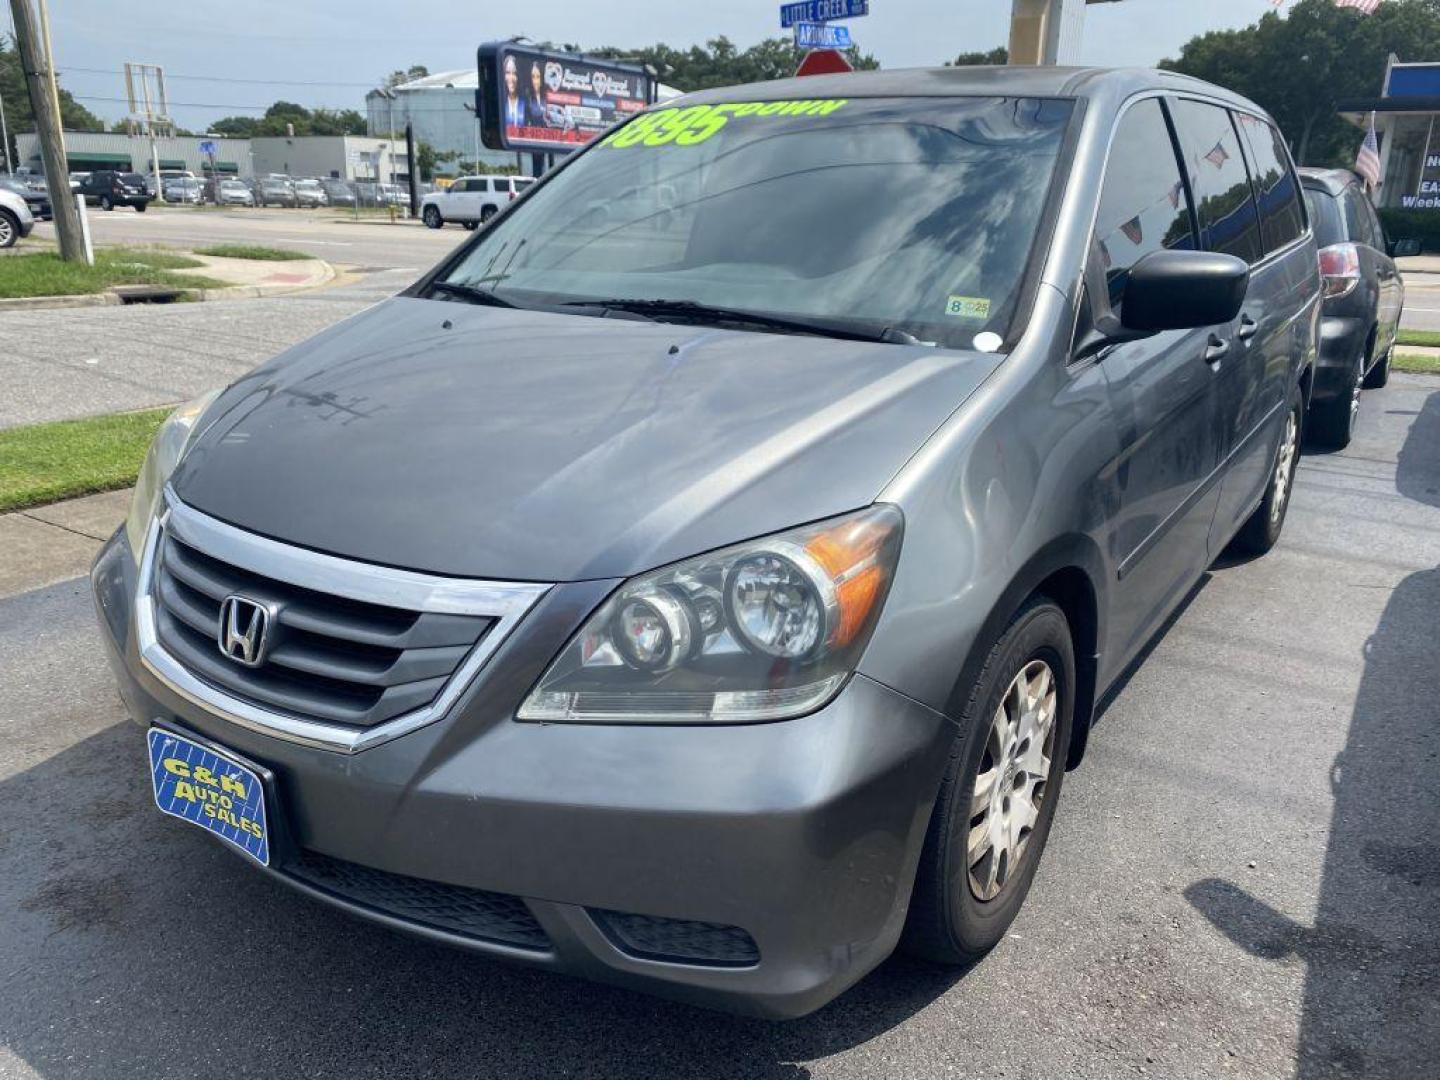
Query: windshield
(308, 185)
(915, 215)
(132, 178)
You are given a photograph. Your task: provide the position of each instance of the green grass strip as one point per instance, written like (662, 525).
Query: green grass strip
(46, 274)
(250, 251)
(1419, 337)
(1415, 363)
(42, 463)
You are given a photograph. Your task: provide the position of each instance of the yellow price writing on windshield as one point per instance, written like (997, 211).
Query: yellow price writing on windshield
(695, 123)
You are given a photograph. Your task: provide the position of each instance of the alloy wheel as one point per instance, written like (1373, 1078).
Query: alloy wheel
(7, 231)
(1285, 466)
(1010, 784)
(1355, 392)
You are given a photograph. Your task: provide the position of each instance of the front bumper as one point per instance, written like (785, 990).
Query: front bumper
(802, 835)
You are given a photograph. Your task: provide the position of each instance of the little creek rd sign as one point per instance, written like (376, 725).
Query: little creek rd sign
(818, 11)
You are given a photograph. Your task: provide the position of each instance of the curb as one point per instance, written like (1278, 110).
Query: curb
(114, 296)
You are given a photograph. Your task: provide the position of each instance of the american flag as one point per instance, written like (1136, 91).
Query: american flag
(1367, 6)
(1217, 155)
(1367, 161)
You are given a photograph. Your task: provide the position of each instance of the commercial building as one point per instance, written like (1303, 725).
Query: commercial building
(86, 151)
(347, 157)
(441, 108)
(1406, 114)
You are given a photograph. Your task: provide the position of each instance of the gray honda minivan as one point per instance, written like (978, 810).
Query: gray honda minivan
(702, 580)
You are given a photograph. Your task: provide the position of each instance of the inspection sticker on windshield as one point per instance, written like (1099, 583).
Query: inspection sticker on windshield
(968, 307)
(696, 123)
(205, 788)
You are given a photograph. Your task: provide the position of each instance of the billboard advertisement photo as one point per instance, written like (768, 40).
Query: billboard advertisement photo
(536, 100)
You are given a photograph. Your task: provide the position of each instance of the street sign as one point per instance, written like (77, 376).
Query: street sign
(810, 35)
(209, 147)
(823, 62)
(815, 11)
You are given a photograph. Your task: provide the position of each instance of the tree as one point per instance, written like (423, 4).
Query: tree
(18, 117)
(283, 115)
(1301, 66)
(410, 74)
(998, 55)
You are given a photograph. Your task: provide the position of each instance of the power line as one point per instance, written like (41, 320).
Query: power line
(65, 69)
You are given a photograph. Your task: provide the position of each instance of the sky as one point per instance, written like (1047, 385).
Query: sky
(222, 57)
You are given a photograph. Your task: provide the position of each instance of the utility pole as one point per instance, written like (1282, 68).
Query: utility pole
(38, 77)
(5, 139)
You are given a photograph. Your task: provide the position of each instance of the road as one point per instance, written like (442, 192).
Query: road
(66, 363)
(1242, 880)
(327, 234)
(1422, 302)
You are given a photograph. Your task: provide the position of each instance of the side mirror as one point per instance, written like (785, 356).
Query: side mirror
(1182, 290)
(1403, 249)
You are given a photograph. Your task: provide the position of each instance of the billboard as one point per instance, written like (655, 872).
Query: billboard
(536, 100)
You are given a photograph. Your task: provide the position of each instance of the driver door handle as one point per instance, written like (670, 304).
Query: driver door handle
(1215, 350)
(1248, 326)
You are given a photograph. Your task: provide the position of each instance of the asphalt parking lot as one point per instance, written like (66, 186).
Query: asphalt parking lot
(1242, 881)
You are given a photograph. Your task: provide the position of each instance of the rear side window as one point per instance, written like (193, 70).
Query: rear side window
(1276, 190)
(1357, 221)
(1223, 200)
(1142, 205)
(1325, 217)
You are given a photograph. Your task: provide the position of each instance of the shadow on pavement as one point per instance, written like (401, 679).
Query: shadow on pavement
(1372, 989)
(165, 956)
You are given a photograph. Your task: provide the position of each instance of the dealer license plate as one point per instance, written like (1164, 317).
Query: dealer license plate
(209, 789)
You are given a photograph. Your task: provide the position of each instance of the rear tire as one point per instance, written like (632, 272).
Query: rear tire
(1261, 531)
(949, 922)
(1379, 375)
(141, 207)
(9, 229)
(487, 213)
(471, 226)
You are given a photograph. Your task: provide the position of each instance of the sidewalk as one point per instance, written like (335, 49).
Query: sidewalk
(256, 277)
(46, 544)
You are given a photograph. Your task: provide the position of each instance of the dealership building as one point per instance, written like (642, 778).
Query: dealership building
(347, 157)
(88, 151)
(1407, 124)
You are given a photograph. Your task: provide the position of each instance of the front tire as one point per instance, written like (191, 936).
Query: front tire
(431, 216)
(1261, 531)
(141, 207)
(106, 203)
(998, 797)
(9, 229)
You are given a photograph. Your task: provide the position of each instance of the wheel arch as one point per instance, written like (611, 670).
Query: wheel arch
(1069, 571)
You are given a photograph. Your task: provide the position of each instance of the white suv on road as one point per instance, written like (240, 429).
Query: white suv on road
(16, 221)
(471, 200)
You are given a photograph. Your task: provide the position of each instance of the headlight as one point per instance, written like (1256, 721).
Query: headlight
(761, 631)
(169, 446)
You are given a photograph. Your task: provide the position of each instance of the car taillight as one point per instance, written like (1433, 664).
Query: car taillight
(1340, 267)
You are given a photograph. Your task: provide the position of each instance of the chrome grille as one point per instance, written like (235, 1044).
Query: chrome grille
(329, 658)
(354, 654)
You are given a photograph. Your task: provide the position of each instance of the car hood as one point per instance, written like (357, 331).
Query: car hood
(522, 445)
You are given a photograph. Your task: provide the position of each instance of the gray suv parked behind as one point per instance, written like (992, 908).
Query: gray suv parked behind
(1364, 296)
(702, 580)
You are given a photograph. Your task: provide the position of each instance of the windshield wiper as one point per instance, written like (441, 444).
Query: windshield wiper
(694, 310)
(471, 293)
